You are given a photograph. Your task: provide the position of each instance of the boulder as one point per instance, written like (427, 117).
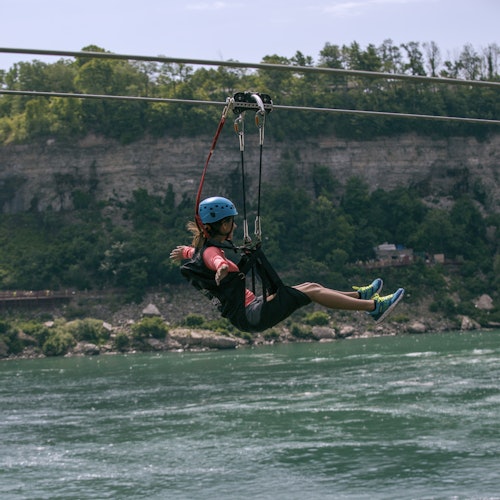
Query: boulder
(86, 349)
(485, 302)
(346, 331)
(26, 339)
(173, 345)
(219, 342)
(469, 324)
(323, 332)
(107, 326)
(416, 327)
(151, 310)
(186, 337)
(156, 344)
(202, 338)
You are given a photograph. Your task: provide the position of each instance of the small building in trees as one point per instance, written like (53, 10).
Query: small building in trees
(392, 254)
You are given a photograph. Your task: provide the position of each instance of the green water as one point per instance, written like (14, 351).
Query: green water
(391, 417)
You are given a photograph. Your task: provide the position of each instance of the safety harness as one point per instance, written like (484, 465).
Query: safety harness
(229, 295)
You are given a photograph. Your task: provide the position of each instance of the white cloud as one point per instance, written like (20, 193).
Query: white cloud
(209, 6)
(355, 7)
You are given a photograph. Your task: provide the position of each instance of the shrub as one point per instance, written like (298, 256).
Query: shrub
(89, 330)
(317, 318)
(271, 334)
(4, 327)
(37, 330)
(122, 341)
(400, 318)
(444, 305)
(9, 339)
(58, 343)
(300, 332)
(194, 321)
(221, 325)
(150, 327)
(245, 336)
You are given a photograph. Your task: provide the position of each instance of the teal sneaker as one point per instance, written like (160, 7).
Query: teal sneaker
(367, 292)
(384, 305)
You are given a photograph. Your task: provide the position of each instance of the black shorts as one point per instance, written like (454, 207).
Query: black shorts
(262, 314)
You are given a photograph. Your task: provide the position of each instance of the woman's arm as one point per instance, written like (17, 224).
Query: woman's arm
(214, 259)
(181, 252)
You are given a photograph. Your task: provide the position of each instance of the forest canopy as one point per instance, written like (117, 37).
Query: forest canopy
(27, 118)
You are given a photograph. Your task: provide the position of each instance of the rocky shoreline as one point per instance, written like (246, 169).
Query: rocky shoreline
(172, 305)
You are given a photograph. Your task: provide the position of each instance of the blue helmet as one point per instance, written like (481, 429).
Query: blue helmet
(215, 209)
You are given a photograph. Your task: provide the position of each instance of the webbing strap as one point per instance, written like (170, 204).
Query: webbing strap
(222, 121)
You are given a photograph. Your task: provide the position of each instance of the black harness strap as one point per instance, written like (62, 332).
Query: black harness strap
(269, 277)
(253, 260)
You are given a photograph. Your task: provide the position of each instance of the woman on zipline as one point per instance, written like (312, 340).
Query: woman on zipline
(221, 279)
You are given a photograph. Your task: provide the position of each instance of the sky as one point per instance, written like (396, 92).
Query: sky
(245, 31)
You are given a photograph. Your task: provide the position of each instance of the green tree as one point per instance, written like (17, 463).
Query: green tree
(433, 58)
(469, 231)
(414, 64)
(434, 234)
(331, 56)
(470, 63)
(37, 117)
(390, 57)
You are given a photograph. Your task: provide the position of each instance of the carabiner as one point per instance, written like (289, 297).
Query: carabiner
(258, 230)
(239, 128)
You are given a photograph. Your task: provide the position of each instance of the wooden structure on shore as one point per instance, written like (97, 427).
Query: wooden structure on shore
(29, 298)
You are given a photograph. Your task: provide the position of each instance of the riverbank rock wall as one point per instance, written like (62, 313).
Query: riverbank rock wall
(52, 174)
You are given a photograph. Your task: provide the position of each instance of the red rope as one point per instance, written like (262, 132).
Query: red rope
(202, 181)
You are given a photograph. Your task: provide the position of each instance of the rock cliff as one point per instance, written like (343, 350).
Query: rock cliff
(48, 175)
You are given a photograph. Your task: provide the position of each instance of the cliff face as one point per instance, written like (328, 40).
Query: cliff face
(39, 176)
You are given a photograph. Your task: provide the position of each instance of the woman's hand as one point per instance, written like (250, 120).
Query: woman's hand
(176, 253)
(221, 273)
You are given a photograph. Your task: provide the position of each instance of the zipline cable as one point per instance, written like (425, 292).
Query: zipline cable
(262, 66)
(359, 112)
(109, 96)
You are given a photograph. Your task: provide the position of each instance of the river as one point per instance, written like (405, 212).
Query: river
(414, 416)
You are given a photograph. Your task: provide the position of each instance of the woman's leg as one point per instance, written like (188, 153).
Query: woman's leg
(332, 299)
